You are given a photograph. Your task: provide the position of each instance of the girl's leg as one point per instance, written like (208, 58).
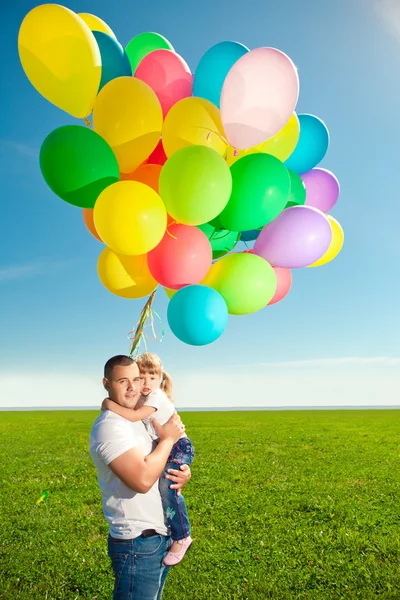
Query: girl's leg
(174, 506)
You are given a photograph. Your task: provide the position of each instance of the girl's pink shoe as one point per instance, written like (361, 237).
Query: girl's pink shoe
(173, 558)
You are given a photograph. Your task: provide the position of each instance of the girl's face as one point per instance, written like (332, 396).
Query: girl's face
(149, 382)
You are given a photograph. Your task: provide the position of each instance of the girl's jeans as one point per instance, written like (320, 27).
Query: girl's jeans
(174, 505)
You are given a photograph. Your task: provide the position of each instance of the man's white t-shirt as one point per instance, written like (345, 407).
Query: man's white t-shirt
(127, 512)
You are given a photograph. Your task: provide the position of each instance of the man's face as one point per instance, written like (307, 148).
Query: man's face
(124, 385)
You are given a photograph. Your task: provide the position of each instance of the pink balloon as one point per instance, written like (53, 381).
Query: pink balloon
(258, 97)
(183, 257)
(322, 189)
(168, 75)
(298, 237)
(284, 283)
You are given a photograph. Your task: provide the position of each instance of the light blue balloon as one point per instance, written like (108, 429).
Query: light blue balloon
(197, 315)
(114, 60)
(213, 68)
(311, 147)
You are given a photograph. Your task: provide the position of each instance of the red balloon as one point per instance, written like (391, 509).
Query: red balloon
(168, 75)
(158, 156)
(284, 283)
(183, 257)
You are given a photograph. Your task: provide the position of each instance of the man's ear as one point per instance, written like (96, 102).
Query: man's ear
(106, 384)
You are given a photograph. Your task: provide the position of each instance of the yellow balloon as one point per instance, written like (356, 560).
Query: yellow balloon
(281, 145)
(61, 58)
(193, 121)
(125, 276)
(130, 217)
(335, 245)
(169, 292)
(96, 24)
(128, 115)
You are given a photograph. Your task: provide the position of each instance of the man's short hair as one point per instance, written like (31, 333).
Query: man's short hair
(117, 361)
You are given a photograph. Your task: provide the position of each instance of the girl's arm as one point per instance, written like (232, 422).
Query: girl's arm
(128, 413)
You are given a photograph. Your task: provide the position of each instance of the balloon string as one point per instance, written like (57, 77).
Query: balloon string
(169, 233)
(139, 334)
(87, 122)
(210, 131)
(215, 233)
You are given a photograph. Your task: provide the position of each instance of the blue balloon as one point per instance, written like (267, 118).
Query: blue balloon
(250, 235)
(311, 147)
(213, 68)
(114, 60)
(197, 315)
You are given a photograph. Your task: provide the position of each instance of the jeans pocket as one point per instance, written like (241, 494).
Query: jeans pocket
(148, 546)
(118, 562)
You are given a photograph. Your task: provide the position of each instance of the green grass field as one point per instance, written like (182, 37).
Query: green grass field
(282, 504)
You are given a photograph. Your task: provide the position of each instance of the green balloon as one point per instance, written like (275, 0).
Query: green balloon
(144, 43)
(195, 185)
(297, 194)
(77, 164)
(260, 190)
(245, 281)
(216, 223)
(221, 240)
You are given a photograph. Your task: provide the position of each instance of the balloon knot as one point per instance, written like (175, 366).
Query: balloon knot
(87, 122)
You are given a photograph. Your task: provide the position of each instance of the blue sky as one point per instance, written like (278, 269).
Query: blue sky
(59, 324)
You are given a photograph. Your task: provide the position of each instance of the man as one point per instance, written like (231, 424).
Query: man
(128, 467)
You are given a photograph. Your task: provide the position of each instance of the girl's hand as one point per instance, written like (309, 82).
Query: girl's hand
(106, 404)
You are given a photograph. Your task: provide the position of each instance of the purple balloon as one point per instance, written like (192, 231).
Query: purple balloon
(322, 189)
(298, 237)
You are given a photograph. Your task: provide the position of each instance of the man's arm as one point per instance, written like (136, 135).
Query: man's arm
(128, 413)
(140, 472)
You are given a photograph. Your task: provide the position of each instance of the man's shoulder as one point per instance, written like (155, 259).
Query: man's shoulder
(108, 423)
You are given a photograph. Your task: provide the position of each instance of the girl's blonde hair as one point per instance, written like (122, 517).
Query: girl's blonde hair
(151, 363)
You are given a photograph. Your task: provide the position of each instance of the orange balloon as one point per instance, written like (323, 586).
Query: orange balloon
(147, 174)
(88, 220)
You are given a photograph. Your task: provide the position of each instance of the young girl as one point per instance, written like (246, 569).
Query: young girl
(156, 400)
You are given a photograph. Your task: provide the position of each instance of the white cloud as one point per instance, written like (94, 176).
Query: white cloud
(19, 272)
(306, 383)
(40, 389)
(324, 382)
(13, 272)
(351, 361)
(389, 12)
(20, 148)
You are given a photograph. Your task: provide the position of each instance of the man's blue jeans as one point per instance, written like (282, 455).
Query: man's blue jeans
(138, 567)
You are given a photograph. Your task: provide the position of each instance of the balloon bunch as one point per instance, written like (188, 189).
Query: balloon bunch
(174, 169)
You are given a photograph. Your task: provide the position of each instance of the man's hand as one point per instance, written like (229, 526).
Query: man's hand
(180, 478)
(173, 429)
(106, 404)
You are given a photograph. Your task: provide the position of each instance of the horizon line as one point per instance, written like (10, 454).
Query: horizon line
(214, 409)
